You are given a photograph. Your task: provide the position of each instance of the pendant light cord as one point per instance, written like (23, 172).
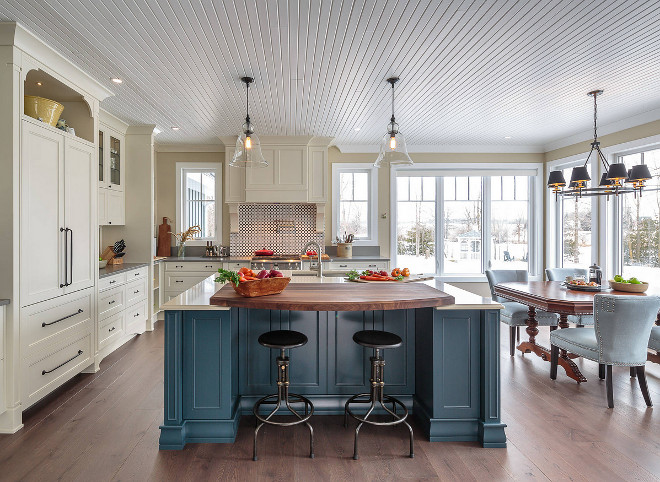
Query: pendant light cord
(247, 103)
(393, 102)
(595, 117)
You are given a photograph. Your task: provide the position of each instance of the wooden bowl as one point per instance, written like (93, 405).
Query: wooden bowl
(630, 288)
(262, 287)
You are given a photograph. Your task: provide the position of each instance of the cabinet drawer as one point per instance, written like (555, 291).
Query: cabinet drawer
(48, 318)
(47, 369)
(136, 313)
(236, 266)
(112, 281)
(181, 282)
(111, 301)
(357, 265)
(137, 274)
(110, 329)
(136, 291)
(188, 266)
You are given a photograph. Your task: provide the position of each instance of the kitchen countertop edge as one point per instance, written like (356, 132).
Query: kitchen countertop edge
(115, 269)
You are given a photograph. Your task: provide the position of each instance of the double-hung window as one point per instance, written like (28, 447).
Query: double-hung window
(199, 200)
(457, 224)
(355, 202)
(639, 222)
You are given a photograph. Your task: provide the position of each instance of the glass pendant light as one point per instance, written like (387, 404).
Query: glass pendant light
(393, 148)
(248, 147)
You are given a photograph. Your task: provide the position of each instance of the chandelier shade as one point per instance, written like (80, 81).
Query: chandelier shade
(617, 172)
(639, 173)
(556, 179)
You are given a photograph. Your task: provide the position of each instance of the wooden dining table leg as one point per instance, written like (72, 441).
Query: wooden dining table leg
(531, 346)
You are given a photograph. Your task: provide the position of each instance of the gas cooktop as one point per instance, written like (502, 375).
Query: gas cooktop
(277, 257)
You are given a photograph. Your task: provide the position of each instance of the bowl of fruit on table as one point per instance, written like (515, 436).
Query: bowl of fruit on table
(632, 285)
(250, 284)
(582, 285)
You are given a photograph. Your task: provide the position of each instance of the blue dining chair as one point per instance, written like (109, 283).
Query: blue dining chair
(514, 314)
(560, 274)
(621, 333)
(654, 339)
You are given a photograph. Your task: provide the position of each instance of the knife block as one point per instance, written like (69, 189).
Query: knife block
(109, 255)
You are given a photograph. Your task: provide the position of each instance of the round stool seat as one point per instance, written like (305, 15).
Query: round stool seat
(377, 339)
(282, 339)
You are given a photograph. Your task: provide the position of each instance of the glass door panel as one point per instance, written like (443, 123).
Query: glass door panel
(415, 224)
(101, 156)
(115, 161)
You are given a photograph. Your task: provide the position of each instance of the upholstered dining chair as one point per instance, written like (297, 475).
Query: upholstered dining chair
(514, 314)
(654, 339)
(560, 274)
(621, 333)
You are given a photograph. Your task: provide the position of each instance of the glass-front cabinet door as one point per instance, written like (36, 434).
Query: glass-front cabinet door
(101, 159)
(115, 162)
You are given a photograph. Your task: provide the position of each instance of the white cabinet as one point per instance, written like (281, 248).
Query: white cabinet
(111, 158)
(285, 178)
(297, 171)
(57, 218)
(79, 199)
(111, 207)
(121, 308)
(180, 276)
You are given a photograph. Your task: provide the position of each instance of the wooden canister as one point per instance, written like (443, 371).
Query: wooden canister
(344, 250)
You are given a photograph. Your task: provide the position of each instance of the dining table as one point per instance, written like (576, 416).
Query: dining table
(555, 297)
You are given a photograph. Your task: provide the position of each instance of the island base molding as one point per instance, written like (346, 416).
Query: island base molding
(446, 372)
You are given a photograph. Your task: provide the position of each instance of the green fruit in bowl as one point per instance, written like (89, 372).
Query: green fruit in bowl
(618, 278)
(634, 281)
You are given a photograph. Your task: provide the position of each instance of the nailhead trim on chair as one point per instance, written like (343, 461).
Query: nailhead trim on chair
(608, 303)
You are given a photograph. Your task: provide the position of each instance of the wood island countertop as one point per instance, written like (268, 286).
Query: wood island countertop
(309, 293)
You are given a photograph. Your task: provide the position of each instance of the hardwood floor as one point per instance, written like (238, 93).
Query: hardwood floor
(105, 427)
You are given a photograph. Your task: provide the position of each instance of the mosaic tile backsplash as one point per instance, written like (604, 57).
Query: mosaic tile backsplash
(284, 228)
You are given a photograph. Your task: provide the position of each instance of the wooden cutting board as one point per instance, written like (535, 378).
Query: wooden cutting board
(323, 256)
(409, 279)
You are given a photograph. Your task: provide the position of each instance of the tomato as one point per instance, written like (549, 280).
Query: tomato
(396, 272)
(405, 272)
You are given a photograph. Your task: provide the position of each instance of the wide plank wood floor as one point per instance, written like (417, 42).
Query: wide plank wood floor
(105, 427)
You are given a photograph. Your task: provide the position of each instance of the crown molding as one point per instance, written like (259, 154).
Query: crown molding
(159, 147)
(143, 130)
(14, 34)
(442, 149)
(603, 130)
(109, 120)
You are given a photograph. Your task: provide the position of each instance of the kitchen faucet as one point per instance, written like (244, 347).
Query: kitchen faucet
(319, 265)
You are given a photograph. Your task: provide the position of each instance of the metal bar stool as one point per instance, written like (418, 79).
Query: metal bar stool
(283, 340)
(378, 340)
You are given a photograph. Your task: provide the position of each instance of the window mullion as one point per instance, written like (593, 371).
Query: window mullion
(485, 222)
(439, 226)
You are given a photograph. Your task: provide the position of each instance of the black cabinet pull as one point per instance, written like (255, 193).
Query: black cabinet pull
(70, 231)
(62, 319)
(111, 302)
(44, 372)
(112, 329)
(113, 281)
(178, 266)
(136, 315)
(136, 292)
(178, 281)
(66, 261)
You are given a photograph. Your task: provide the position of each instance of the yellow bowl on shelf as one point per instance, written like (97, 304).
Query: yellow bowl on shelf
(47, 109)
(630, 288)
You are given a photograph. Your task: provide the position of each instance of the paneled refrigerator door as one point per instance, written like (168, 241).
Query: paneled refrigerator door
(42, 214)
(80, 211)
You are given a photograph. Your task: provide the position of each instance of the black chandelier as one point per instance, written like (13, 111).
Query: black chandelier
(615, 180)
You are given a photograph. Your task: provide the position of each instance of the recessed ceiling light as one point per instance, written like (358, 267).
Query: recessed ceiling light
(175, 128)
(507, 137)
(39, 84)
(357, 129)
(117, 80)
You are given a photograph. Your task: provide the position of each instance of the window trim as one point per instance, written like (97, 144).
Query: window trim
(200, 166)
(337, 169)
(484, 170)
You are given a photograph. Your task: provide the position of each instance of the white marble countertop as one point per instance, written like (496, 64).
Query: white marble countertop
(197, 297)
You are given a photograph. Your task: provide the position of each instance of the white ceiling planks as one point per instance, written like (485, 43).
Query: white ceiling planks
(472, 71)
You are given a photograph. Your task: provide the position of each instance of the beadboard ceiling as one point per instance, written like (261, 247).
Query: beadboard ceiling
(472, 71)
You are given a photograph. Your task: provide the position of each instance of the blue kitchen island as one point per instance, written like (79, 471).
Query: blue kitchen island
(446, 372)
